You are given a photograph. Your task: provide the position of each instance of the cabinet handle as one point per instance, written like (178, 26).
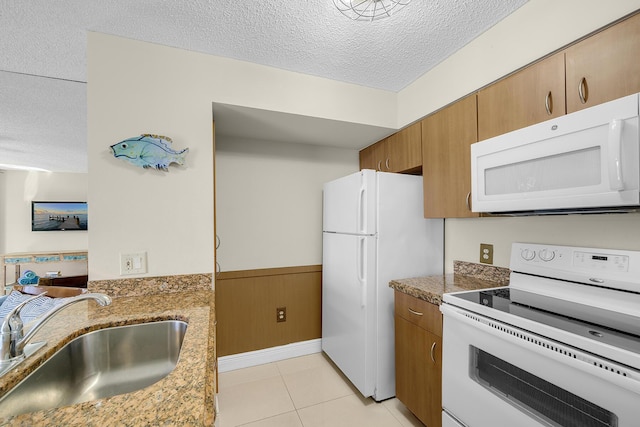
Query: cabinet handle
(386, 164)
(218, 269)
(548, 104)
(433, 348)
(217, 241)
(467, 201)
(583, 90)
(380, 165)
(417, 313)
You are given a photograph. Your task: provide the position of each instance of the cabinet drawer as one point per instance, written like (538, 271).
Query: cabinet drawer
(419, 312)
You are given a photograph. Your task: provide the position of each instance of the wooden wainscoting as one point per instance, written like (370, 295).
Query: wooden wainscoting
(246, 303)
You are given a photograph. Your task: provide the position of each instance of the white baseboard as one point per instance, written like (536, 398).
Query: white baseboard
(268, 355)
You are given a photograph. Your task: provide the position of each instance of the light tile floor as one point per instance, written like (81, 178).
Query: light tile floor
(307, 391)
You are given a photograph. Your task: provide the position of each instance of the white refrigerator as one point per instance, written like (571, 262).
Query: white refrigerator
(374, 231)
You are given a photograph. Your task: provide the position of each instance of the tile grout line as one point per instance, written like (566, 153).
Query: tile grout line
(400, 423)
(289, 393)
(305, 407)
(279, 375)
(279, 372)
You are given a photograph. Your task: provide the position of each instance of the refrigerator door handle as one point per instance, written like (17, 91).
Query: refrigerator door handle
(361, 210)
(361, 268)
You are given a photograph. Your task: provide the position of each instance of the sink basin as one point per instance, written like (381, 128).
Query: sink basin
(99, 364)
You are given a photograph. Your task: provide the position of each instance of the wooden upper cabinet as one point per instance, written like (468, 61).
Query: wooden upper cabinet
(604, 66)
(400, 152)
(447, 136)
(404, 149)
(369, 156)
(530, 96)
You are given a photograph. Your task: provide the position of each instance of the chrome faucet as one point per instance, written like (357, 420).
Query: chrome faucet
(12, 338)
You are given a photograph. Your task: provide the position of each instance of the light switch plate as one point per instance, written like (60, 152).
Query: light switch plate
(133, 263)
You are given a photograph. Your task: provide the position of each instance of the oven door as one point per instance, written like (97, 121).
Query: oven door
(498, 375)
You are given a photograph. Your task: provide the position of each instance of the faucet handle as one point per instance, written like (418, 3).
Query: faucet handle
(9, 320)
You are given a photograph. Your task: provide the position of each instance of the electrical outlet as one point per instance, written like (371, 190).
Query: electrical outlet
(281, 314)
(134, 263)
(486, 253)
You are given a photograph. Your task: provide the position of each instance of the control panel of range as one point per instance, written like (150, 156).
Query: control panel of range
(569, 258)
(601, 261)
(605, 268)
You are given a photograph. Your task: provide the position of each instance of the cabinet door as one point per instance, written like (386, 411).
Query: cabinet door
(368, 157)
(419, 371)
(382, 156)
(404, 150)
(530, 96)
(375, 157)
(400, 152)
(604, 66)
(447, 136)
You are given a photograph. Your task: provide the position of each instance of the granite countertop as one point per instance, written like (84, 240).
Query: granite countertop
(466, 277)
(185, 397)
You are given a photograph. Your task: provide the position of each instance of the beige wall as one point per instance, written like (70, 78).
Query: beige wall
(269, 201)
(170, 215)
(19, 190)
(137, 87)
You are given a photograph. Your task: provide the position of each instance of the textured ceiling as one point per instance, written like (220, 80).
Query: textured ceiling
(44, 38)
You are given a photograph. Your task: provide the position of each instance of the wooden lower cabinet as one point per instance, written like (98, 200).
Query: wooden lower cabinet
(419, 361)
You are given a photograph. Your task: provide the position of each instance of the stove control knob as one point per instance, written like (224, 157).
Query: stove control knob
(546, 255)
(528, 254)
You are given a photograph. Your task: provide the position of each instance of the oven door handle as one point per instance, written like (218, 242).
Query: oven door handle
(588, 363)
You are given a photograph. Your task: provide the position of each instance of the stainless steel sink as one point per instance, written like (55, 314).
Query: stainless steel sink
(99, 364)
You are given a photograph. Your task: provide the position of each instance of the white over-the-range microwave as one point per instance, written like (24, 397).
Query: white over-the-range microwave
(587, 161)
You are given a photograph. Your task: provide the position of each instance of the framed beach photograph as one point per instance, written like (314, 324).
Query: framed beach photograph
(59, 216)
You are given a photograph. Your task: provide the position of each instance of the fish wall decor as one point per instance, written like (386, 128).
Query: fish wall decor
(149, 151)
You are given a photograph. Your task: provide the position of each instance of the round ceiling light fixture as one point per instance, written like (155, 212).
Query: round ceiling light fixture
(369, 10)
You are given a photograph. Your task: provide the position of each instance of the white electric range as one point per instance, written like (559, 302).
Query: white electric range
(559, 346)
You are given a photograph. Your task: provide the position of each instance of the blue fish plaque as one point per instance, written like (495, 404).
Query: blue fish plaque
(149, 151)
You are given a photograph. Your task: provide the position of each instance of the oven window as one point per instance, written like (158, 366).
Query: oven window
(532, 394)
